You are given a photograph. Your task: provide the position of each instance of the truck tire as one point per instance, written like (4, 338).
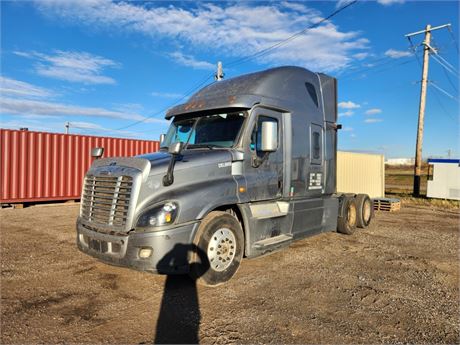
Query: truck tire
(220, 242)
(346, 224)
(365, 210)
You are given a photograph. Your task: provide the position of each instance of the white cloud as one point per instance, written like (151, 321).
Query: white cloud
(72, 66)
(41, 108)
(372, 120)
(390, 2)
(19, 88)
(234, 30)
(347, 129)
(190, 61)
(166, 94)
(360, 56)
(348, 105)
(373, 111)
(396, 54)
(346, 113)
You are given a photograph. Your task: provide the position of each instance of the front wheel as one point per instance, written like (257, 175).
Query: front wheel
(220, 240)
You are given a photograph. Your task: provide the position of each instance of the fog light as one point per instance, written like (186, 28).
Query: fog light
(145, 253)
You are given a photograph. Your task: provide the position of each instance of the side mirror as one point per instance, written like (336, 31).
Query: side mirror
(269, 142)
(176, 148)
(97, 152)
(162, 138)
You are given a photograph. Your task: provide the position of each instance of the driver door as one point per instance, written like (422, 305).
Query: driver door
(263, 171)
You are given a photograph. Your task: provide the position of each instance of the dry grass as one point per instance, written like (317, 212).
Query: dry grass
(400, 178)
(399, 181)
(423, 201)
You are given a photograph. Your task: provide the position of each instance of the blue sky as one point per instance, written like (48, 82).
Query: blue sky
(103, 66)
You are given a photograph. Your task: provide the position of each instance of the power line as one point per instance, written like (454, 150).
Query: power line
(386, 61)
(290, 38)
(442, 106)
(449, 79)
(392, 66)
(453, 39)
(443, 91)
(188, 93)
(445, 64)
(414, 49)
(245, 59)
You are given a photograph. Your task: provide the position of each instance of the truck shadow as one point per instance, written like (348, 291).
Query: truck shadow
(180, 316)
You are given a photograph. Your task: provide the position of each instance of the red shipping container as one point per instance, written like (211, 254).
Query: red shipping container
(39, 166)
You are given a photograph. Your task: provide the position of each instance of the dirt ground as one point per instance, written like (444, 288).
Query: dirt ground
(395, 282)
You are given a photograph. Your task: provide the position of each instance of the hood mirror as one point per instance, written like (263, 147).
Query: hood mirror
(97, 152)
(176, 148)
(162, 138)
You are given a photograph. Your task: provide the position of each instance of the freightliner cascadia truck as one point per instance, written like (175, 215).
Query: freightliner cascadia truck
(247, 166)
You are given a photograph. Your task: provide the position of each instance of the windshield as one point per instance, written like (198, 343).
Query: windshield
(216, 130)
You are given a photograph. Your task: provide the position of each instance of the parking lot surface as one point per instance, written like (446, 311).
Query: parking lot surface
(394, 282)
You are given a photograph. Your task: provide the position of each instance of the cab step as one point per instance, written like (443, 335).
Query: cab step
(273, 241)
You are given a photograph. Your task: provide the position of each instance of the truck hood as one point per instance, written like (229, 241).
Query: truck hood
(188, 160)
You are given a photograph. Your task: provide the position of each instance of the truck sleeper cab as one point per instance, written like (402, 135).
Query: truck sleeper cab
(247, 166)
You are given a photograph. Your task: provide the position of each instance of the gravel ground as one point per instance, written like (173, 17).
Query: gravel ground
(395, 282)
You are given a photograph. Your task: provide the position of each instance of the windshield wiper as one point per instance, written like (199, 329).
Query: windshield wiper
(209, 146)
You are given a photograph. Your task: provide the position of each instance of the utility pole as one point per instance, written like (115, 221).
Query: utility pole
(220, 72)
(421, 110)
(67, 126)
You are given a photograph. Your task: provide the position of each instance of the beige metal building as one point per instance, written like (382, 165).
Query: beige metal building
(361, 173)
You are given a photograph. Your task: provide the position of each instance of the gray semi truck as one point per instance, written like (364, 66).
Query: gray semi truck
(247, 166)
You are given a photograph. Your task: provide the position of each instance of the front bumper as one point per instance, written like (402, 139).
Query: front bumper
(170, 248)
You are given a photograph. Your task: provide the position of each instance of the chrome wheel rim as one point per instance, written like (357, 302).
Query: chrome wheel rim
(221, 249)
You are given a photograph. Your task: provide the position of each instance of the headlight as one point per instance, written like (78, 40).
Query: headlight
(158, 216)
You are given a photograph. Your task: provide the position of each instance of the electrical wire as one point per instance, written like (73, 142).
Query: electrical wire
(442, 106)
(244, 60)
(188, 93)
(445, 64)
(386, 61)
(432, 83)
(449, 79)
(392, 66)
(453, 38)
(414, 50)
(264, 51)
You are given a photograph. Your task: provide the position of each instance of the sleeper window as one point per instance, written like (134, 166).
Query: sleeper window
(316, 144)
(316, 147)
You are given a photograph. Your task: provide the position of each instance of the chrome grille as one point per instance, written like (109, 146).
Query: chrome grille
(106, 199)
